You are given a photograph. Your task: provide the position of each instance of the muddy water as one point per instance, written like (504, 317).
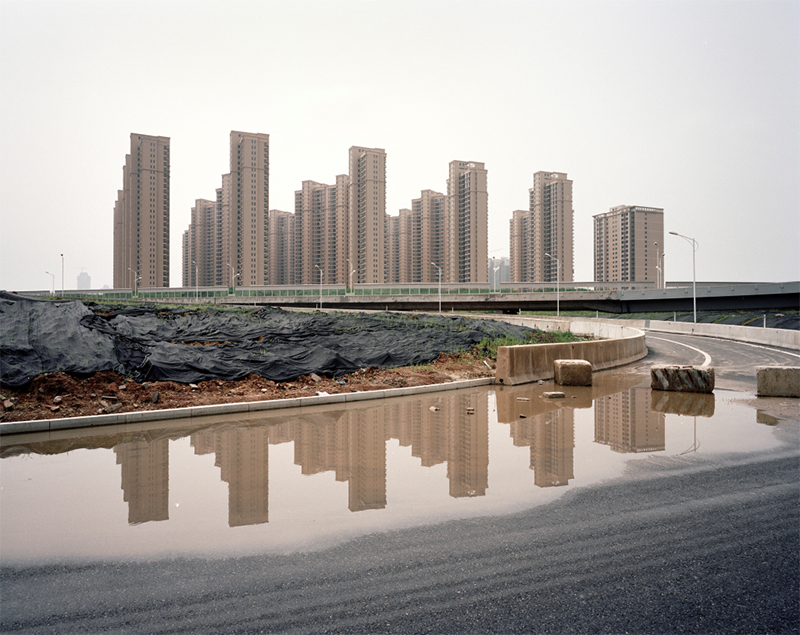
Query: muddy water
(303, 481)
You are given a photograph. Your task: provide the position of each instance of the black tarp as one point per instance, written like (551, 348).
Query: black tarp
(150, 343)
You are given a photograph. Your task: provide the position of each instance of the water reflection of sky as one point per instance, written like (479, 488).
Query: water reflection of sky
(232, 486)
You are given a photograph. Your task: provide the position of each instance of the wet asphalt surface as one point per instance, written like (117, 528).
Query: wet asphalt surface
(682, 544)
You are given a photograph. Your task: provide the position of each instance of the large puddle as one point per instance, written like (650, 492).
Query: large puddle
(307, 480)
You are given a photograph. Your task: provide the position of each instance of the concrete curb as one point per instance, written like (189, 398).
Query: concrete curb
(48, 425)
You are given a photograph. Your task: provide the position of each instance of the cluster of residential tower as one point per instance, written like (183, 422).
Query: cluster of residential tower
(340, 233)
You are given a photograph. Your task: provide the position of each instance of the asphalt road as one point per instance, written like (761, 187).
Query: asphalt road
(734, 363)
(686, 544)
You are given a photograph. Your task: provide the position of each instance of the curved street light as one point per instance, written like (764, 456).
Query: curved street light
(350, 264)
(196, 282)
(238, 275)
(53, 282)
(440, 285)
(136, 279)
(694, 276)
(320, 286)
(558, 277)
(658, 269)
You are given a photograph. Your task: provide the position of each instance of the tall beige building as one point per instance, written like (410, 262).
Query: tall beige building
(141, 215)
(625, 244)
(320, 232)
(467, 223)
(200, 261)
(246, 217)
(281, 247)
(429, 212)
(367, 214)
(546, 228)
(399, 245)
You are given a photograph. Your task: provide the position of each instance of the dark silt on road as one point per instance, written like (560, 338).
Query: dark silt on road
(617, 509)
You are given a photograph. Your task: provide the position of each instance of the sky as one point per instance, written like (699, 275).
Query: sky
(690, 106)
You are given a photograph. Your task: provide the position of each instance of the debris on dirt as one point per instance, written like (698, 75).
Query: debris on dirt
(83, 396)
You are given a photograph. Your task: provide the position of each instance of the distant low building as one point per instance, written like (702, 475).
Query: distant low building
(84, 280)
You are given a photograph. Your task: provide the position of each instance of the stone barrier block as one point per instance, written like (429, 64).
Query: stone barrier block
(682, 378)
(778, 381)
(572, 372)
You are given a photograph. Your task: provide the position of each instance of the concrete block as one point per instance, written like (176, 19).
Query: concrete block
(572, 372)
(553, 395)
(778, 381)
(682, 378)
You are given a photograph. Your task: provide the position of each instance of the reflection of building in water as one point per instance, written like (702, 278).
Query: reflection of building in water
(321, 444)
(414, 424)
(551, 437)
(352, 444)
(145, 479)
(367, 473)
(552, 448)
(242, 454)
(625, 422)
(468, 445)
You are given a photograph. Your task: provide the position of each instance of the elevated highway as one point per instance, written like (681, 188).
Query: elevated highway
(509, 298)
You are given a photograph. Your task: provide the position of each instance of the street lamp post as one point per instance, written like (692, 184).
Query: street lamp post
(440, 285)
(352, 271)
(196, 282)
(52, 282)
(658, 270)
(320, 286)
(232, 274)
(135, 279)
(496, 284)
(663, 274)
(558, 278)
(694, 275)
(62, 274)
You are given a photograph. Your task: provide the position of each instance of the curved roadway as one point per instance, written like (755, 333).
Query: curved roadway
(683, 544)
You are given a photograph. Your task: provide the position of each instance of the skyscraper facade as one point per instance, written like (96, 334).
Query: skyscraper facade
(467, 223)
(541, 240)
(281, 247)
(367, 214)
(626, 244)
(320, 232)
(399, 244)
(247, 215)
(200, 244)
(427, 231)
(141, 215)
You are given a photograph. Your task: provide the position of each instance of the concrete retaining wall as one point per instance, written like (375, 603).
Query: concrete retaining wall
(782, 338)
(532, 362)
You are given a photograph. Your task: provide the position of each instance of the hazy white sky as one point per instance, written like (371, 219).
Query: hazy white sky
(693, 106)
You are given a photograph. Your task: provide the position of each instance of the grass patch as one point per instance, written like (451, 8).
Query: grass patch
(487, 347)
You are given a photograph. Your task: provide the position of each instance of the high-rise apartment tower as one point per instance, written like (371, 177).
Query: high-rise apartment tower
(628, 243)
(320, 232)
(245, 217)
(141, 216)
(541, 239)
(467, 223)
(367, 214)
